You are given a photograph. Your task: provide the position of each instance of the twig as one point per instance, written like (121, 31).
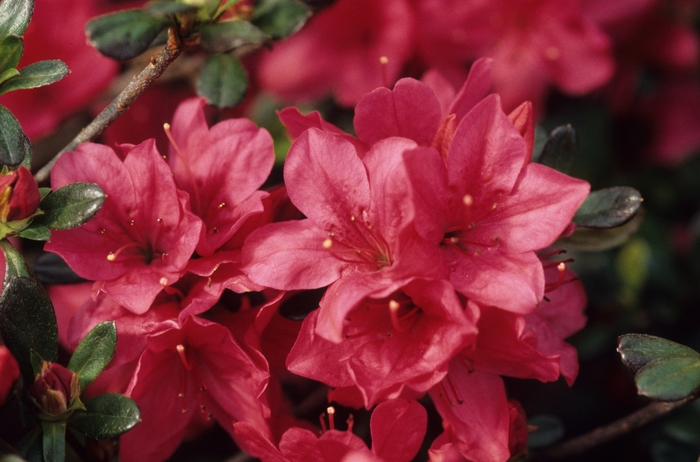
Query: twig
(618, 428)
(121, 103)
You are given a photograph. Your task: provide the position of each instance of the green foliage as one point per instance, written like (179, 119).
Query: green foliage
(107, 416)
(15, 16)
(597, 240)
(54, 441)
(94, 352)
(228, 35)
(222, 80)
(125, 34)
(664, 370)
(279, 18)
(14, 144)
(560, 149)
(548, 430)
(11, 48)
(36, 75)
(608, 208)
(71, 206)
(164, 8)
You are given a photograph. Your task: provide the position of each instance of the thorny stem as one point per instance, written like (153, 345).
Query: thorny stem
(613, 430)
(121, 103)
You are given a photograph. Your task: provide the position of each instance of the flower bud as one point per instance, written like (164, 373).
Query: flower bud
(55, 390)
(19, 195)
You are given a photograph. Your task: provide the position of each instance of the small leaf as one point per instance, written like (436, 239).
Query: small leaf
(608, 208)
(163, 8)
(14, 144)
(15, 16)
(8, 74)
(28, 322)
(664, 370)
(36, 232)
(549, 430)
(36, 75)
(94, 352)
(560, 150)
(71, 206)
(280, 18)
(222, 80)
(126, 34)
(50, 268)
(14, 263)
(107, 416)
(597, 240)
(54, 441)
(11, 49)
(228, 35)
(30, 446)
(37, 362)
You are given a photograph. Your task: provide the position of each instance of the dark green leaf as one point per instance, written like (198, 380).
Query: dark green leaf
(14, 144)
(94, 352)
(228, 35)
(10, 51)
(164, 8)
(36, 232)
(14, 263)
(222, 80)
(126, 34)
(54, 441)
(560, 150)
(15, 16)
(37, 361)
(107, 416)
(608, 208)
(30, 446)
(280, 18)
(36, 75)
(50, 268)
(596, 240)
(549, 430)
(28, 323)
(664, 370)
(71, 206)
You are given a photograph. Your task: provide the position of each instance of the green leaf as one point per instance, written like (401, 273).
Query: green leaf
(608, 208)
(664, 370)
(279, 18)
(15, 16)
(71, 206)
(30, 446)
(164, 8)
(228, 35)
(596, 240)
(11, 48)
(36, 75)
(54, 441)
(222, 80)
(8, 74)
(14, 144)
(548, 431)
(36, 232)
(28, 322)
(107, 416)
(94, 352)
(37, 361)
(560, 150)
(126, 34)
(14, 263)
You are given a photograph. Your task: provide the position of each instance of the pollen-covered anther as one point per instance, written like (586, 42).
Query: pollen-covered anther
(102, 231)
(132, 222)
(384, 61)
(493, 207)
(328, 243)
(183, 357)
(112, 256)
(222, 205)
(163, 281)
(331, 417)
(467, 200)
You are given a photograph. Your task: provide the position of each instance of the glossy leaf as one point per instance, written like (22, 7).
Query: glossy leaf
(163, 8)
(664, 370)
(8, 74)
(14, 263)
(15, 16)
(548, 430)
(560, 149)
(222, 81)
(126, 34)
(596, 240)
(28, 322)
(50, 268)
(280, 18)
(608, 208)
(71, 206)
(107, 416)
(14, 144)
(54, 441)
(36, 233)
(228, 35)
(36, 75)
(11, 48)
(94, 352)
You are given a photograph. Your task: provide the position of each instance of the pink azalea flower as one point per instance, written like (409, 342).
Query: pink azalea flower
(402, 340)
(144, 234)
(397, 428)
(56, 31)
(345, 44)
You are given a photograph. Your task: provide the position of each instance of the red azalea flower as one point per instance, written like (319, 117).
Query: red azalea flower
(401, 340)
(9, 372)
(339, 51)
(19, 195)
(144, 234)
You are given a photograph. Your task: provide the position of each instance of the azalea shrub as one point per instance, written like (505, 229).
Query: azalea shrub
(356, 237)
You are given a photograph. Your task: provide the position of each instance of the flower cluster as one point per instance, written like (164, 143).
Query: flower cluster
(428, 236)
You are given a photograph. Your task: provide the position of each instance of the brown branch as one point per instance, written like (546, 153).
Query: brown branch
(121, 103)
(618, 428)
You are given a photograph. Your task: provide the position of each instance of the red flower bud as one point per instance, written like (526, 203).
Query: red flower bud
(55, 389)
(19, 195)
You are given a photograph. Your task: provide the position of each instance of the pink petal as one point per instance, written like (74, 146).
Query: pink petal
(398, 427)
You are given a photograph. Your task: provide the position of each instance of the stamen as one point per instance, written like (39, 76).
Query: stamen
(384, 61)
(113, 255)
(181, 351)
(327, 243)
(561, 267)
(350, 422)
(455, 393)
(163, 281)
(331, 417)
(222, 205)
(552, 254)
(321, 418)
(170, 290)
